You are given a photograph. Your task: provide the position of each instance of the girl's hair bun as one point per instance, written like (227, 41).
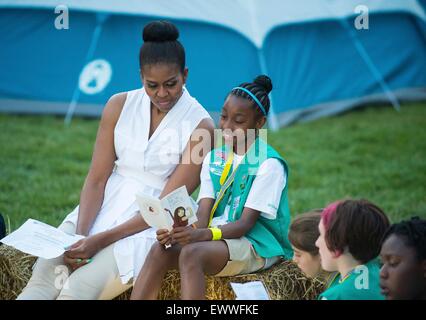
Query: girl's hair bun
(265, 82)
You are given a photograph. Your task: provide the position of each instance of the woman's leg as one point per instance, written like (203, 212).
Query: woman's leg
(100, 279)
(48, 276)
(196, 260)
(157, 263)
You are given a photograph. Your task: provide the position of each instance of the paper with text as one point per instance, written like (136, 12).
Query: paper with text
(254, 290)
(40, 239)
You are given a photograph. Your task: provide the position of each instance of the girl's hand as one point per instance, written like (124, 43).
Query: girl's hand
(164, 237)
(184, 235)
(82, 252)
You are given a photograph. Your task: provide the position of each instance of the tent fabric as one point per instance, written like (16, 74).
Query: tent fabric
(252, 18)
(314, 62)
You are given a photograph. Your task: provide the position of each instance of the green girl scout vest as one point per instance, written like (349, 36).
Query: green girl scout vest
(268, 237)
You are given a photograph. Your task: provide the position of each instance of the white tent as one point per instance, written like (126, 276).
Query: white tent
(264, 36)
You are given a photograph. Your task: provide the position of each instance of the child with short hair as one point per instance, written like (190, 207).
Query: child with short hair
(302, 235)
(349, 243)
(244, 190)
(403, 254)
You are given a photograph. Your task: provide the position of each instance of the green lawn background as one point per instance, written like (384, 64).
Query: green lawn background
(375, 153)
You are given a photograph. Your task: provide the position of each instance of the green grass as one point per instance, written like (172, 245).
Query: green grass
(374, 153)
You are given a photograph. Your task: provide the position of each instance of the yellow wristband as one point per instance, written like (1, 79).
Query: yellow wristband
(217, 233)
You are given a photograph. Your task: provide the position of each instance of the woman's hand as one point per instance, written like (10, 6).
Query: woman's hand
(82, 252)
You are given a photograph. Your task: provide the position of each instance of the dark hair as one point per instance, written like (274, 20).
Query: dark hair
(304, 231)
(413, 234)
(161, 45)
(358, 225)
(260, 88)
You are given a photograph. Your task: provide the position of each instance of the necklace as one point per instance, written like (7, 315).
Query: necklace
(343, 279)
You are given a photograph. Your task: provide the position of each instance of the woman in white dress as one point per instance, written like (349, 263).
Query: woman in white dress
(143, 144)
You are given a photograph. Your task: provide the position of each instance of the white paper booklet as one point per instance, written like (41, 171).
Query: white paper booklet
(254, 290)
(40, 239)
(177, 208)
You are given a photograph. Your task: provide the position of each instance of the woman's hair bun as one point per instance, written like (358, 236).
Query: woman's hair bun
(265, 82)
(160, 31)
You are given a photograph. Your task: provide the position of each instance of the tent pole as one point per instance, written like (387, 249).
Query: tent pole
(273, 120)
(90, 53)
(370, 64)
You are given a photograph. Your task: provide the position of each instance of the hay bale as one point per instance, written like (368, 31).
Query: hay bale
(15, 271)
(283, 281)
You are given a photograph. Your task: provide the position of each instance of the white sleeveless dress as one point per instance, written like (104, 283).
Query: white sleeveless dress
(143, 165)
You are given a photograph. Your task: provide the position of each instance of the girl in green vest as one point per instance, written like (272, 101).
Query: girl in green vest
(243, 214)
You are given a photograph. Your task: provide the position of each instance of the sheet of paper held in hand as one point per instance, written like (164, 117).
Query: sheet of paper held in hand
(254, 290)
(175, 208)
(40, 239)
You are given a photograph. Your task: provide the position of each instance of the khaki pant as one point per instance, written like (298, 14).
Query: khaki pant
(51, 279)
(243, 258)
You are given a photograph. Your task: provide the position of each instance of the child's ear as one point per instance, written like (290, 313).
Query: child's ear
(260, 122)
(336, 253)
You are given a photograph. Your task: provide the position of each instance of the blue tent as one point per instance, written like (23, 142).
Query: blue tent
(324, 56)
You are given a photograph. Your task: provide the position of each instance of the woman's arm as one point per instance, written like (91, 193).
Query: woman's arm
(102, 164)
(186, 173)
(188, 170)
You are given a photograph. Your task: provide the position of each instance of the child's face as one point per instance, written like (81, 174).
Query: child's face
(238, 116)
(328, 258)
(308, 263)
(402, 275)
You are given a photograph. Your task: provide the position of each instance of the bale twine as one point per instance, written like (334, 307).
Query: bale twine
(283, 281)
